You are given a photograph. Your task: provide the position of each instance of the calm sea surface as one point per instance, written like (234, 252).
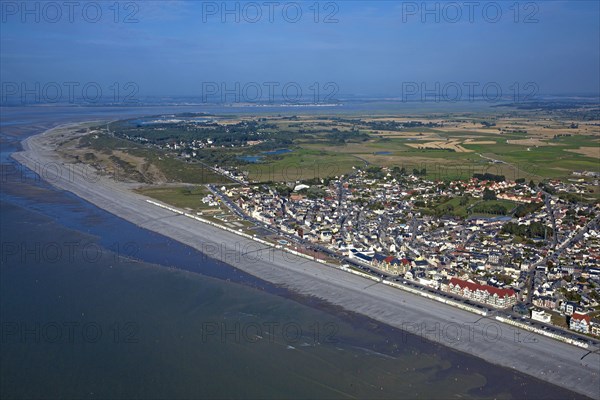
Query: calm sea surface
(95, 307)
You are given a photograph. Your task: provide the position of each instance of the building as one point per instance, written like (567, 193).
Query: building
(390, 264)
(491, 295)
(521, 309)
(595, 329)
(545, 302)
(569, 307)
(494, 258)
(580, 322)
(360, 256)
(540, 315)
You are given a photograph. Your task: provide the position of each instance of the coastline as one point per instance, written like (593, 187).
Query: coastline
(532, 354)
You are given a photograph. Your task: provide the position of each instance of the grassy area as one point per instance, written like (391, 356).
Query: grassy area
(554, 159)
(487, 207)
(303, 164)
(528, 146)
(440, 164)
(557, 319)
(321, 160)
(551, 160)
(186, 172)
(464, 206)
(180, 196)
(145, 159)
(457, 206)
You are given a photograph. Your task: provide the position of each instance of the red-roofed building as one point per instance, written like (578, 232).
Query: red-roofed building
(491, 295)
(580, 322)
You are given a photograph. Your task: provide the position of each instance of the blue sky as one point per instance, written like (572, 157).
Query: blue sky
(371, 50)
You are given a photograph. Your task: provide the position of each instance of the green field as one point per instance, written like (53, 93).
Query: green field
(549, 161)
(463, 207)
(303, 163)
(480, 208)
(328, 146)
(178, 196)
(173, 169)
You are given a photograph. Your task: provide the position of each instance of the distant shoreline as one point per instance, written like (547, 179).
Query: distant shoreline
(500, 344)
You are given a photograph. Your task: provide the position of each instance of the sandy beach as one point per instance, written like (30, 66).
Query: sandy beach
(541, 357)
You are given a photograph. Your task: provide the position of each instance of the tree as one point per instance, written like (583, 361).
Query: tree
(489, 194)
(486, 208)
(489, 177)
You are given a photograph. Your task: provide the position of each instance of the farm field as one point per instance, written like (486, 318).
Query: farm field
(517, 144)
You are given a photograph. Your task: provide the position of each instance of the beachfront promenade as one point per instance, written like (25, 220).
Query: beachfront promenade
(487, 338)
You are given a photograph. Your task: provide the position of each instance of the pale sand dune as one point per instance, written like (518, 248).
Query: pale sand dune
(536, 355)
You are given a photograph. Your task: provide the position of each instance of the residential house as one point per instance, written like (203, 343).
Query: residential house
(580, 322)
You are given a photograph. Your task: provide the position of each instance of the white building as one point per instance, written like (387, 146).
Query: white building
(540, 315)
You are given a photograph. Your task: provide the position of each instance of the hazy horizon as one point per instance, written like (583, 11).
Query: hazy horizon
(240, 51)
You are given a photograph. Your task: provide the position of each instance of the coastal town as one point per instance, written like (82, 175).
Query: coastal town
(512, 261)
(531, 249)
(526, 247)
(300, 200)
